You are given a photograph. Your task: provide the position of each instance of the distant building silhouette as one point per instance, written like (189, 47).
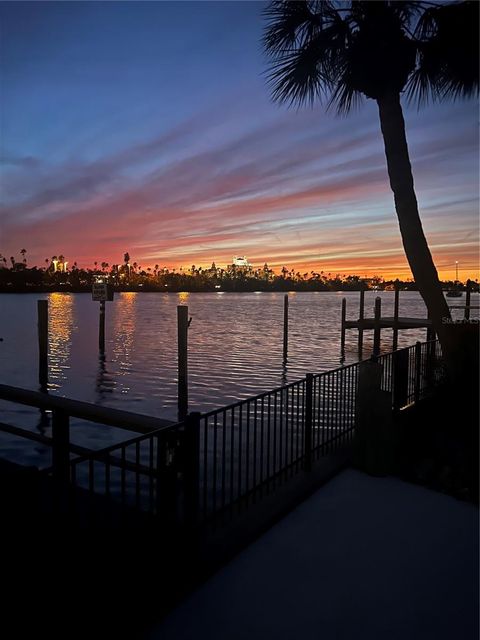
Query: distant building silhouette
(240, 261)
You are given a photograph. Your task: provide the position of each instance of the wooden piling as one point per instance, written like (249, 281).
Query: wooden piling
(467, 300)
(101, 327)
(376, 329)
(360, 319)
(285, 327)
(182, 328)
(42, 313)
(395, 317)
(344, 316)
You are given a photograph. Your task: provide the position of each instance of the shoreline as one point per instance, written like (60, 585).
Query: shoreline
(149, 289)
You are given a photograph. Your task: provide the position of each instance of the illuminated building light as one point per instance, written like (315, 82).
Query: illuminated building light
(240, 261)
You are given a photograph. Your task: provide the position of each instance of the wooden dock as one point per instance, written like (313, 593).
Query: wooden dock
(389, 323)
(377, 323)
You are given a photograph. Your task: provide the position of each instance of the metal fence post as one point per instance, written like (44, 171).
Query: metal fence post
(308, 420)
(191, 469)
(418, 371)
(373, 445)
(400, 379)
(61, 450)
(166, 493)
(430, 362)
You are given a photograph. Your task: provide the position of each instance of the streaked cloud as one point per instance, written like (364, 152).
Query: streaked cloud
(233, 175)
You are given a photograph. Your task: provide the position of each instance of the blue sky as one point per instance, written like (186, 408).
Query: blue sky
(148, 127)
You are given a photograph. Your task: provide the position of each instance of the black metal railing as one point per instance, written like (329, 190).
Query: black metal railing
(62, 410)
(334, 400)
(410, 373)
(248, 443)
(133, 473)
(193, 470)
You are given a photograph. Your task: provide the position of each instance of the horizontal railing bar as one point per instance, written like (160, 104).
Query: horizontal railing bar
(85, 455)
(252, 399)
(143, 437)
(25, 433)
(84, 410)
(38, 437)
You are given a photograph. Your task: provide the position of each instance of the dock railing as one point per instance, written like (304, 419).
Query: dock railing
(190, 472)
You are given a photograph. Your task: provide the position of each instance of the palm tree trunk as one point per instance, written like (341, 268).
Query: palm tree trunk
(414, 241)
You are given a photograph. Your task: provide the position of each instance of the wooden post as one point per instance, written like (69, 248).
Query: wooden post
(182, 327)
(467, 300)
(101, 327)
(42, 313)
(285, 327)
(191, 470)
(377, 328)
(360, 320)
(344, 316)
(396, 306)
(308, 420)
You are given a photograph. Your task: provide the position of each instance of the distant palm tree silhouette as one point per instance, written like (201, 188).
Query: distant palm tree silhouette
(343, 51)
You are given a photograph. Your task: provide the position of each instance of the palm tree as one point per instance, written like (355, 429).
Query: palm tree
(345, 51)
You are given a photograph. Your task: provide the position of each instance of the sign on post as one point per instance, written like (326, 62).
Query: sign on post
(102, 292)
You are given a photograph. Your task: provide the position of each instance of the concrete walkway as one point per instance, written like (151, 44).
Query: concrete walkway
(364, 557)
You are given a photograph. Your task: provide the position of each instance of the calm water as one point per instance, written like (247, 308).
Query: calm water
(235, 349)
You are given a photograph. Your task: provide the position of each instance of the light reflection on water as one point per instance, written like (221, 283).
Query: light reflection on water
(122, 341)
(235, 348)
(60, 328)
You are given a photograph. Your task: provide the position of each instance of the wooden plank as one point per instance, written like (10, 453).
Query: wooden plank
(389, 323)
(113, 417)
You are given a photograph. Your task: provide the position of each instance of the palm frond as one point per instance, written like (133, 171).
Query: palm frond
(448, 53)
(298, 77)
(420, 88)
(408, 11)
(306, 65)
(287, 23)
(344, 97)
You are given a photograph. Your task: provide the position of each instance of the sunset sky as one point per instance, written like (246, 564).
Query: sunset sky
(148, 128)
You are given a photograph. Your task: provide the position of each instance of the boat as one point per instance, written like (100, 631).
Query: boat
(455, 291)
